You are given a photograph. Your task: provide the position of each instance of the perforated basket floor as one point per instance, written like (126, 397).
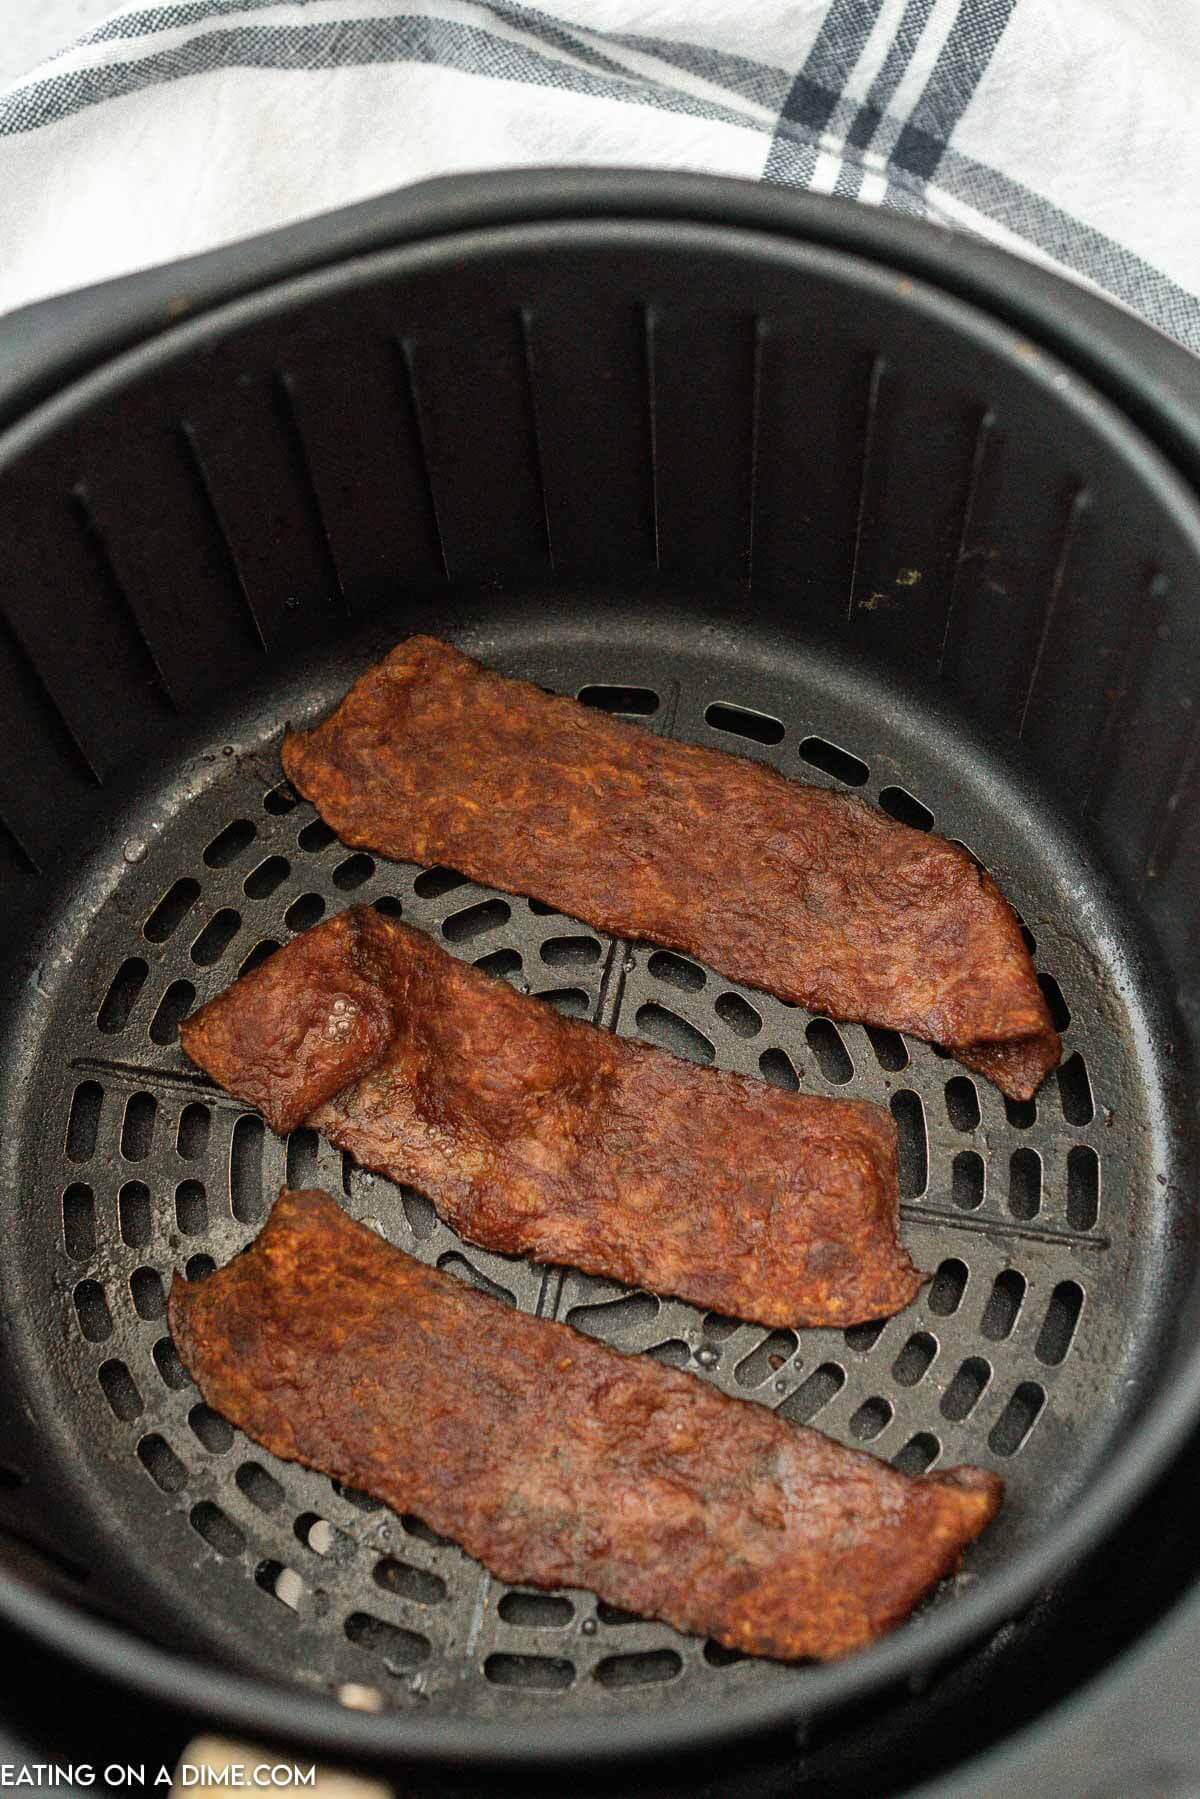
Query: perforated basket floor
(1032, 1343)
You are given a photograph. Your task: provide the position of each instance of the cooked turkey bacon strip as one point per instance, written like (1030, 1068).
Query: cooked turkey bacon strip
(556, 1461)
(539, 1135)
(806, 893)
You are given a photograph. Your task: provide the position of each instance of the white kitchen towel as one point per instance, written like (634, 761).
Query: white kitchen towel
(1056, 127)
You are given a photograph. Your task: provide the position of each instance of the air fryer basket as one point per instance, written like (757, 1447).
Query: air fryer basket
(747, 488)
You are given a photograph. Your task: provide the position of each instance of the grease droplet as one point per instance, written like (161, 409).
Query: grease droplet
(135, 849)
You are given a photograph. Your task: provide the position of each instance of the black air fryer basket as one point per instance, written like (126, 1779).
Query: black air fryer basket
(828, 489)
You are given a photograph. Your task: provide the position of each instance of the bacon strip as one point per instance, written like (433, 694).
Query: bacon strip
(542, 1136)
(555, 1460)
(806, 893)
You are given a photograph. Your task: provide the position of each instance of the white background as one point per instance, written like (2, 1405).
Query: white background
(31, 30)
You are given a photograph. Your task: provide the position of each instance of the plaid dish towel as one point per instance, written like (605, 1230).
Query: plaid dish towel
(1055, 127)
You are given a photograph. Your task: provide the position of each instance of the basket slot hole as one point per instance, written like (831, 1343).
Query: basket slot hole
(262, 952)
(1004, 1304)
(536, 1611)
(281, 1583)
(658, 1025)
(216, 937)
(967, 1180)
(304, 912)
(767, 1359)
(217, 1530)
(198, 1268)
(915, 1359)
(813, 1394)
(674, 1353)
(677, 971)
(718, 1656)
(576, 953)
(891, 1051)
(913, 1144)
(146, 1291)
(137, 1127)
(161, 1463)
(905, 808)
(262, 881)
(419, 1212)
(192, 1137)
(947, 1287)
(863, 1337)
(322, 1537)
(417, 1528)
(353, 872)
(818, 752)
(133, 1211)
(120, 1390)
(500, 962)
(173, 1008)
(1025, 1183)
(79, 1222)
(316, 836)
(962, 1103)
(740, 721)
(649, 1667)
(121, 997)
(210, 1430)
(535, 1673)
(833, 1058)
(1058, 1329)
(1021, 1113)
(388, 906)
(303, 1148)
(466, 1271)
(432, 883)
(84, 1121)
(637, 702)
(738, 1014)
(91, 1308)
(475, 921)
(872, 1417)
(171, 1370)
(918, 1454)
(776, 1067)
(246, 1170)
(281, 799)
(228, 844)
(717, 1327)
(171, 910)
(611, 1320)
(615, 1615)
(399, 1650)
(569, 1002)
(1060, 1012)
(260, 1488)
(1075, 1091)
(966, 1389)
(418, 1585)
(1018, 1418)
(1083, 1187)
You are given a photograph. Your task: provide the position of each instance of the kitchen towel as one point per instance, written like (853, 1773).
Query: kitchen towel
(1056, 127)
